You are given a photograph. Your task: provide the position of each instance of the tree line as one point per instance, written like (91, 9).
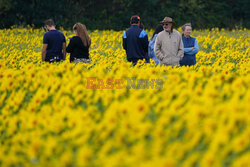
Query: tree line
(115, 14)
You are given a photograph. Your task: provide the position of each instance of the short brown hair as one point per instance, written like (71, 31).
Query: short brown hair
(49, 22)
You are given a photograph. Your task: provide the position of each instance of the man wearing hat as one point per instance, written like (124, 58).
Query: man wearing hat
(135, 41)
(168, 47)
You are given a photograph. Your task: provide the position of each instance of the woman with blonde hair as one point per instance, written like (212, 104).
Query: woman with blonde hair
(79, 45)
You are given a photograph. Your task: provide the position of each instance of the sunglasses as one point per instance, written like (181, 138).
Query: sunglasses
(166, 24)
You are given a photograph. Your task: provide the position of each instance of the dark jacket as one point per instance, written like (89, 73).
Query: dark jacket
(135, 42)
(77, 49)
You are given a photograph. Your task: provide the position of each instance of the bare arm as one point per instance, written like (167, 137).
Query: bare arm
(44, 47)
(64, 50)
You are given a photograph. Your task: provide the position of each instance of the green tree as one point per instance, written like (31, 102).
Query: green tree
(115, 14)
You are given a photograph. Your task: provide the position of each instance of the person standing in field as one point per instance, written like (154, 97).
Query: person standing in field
(79, 45)
(135, 41)
(141, 26)
(168, 46)
(54, 43)
(191, 46)
(151, 44)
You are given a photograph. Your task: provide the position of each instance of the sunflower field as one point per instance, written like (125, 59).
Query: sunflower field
(197, 116)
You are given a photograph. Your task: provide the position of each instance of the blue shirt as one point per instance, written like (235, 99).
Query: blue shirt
(55, 40)
(151, 52)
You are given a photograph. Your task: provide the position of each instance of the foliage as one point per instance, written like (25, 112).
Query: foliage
(115, 14)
